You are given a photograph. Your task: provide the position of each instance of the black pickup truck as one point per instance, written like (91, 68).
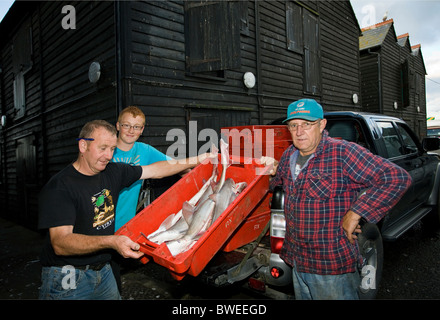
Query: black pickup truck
(391, 138)
(385, 136)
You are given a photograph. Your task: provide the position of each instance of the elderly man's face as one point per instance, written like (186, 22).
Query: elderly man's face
(306, 135)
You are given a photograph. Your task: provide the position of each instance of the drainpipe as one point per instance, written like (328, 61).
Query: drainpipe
(258, 66)
(5, 186)
(379, 80)
(118, 58)
(42, 104)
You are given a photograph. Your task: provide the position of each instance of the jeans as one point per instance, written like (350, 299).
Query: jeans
(309, 286)
(70, 283)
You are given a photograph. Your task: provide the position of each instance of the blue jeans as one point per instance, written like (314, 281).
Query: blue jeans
(70, 283)
(309, 286)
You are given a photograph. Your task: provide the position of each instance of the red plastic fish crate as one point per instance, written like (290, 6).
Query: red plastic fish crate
(258, 140)
(194, 260)
(251, 227)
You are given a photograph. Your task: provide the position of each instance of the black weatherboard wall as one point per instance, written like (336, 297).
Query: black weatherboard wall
(179, 61)
(393, 75)
(55, 98)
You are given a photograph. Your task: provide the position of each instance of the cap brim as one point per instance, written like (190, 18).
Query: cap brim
(302, 118)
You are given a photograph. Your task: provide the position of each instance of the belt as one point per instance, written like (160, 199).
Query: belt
(94, 267)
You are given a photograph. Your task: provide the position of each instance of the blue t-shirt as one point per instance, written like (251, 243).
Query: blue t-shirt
(141, 154)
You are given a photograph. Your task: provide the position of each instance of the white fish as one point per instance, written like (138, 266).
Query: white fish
(238, 188)
(200, 220)
(174, 226)
(169, 222)
(222, 198)
(226, 196)
(180, 245)
(174, 223)
(176, 231)
(224, 160)
(199, 215)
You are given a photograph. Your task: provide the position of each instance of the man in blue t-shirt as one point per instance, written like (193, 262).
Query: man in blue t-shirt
(131, 123)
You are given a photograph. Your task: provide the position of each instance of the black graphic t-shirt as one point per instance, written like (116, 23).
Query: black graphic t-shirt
(86, 202)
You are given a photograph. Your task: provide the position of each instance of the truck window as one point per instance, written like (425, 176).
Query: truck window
(349, 130)
(409, 145)
(391, 139)
(398, 140)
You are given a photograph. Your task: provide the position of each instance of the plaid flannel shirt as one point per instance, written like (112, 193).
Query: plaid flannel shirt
(325, 189)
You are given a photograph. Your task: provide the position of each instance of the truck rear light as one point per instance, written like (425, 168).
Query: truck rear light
(257, 284)
(276, 244)
(276, 272)
(277, 231)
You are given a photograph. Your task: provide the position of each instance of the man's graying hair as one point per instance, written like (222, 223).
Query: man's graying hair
(91, 126)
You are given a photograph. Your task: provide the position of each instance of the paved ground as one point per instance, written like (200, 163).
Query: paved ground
(411, 270)
(19, 264)
(412, 264)
(20, 271)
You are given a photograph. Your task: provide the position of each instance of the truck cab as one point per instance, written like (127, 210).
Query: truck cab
(392, 139)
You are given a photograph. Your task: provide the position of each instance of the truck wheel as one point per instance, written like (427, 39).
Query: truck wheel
(431, 221)
(433, 218)
(371, 248)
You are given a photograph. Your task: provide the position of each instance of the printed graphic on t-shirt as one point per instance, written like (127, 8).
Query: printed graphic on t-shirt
(134, 162)
(104, 209)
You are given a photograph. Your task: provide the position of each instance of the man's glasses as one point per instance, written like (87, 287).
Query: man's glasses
(305, 126)
(128, 127)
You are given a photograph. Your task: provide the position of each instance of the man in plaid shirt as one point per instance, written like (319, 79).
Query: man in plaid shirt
(322, 178)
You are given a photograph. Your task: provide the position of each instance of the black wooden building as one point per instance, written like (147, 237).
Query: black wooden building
(64, 63)
(393, 75)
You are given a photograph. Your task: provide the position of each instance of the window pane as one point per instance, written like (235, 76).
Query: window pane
(294, 27)
(312, 66)
(391, 138)
(212, 35)
(19, 95)
(409, 145)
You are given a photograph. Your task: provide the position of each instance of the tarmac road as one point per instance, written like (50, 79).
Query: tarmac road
(411, 270)
(412, 264)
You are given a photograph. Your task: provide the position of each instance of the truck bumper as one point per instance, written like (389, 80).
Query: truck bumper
(277, 273)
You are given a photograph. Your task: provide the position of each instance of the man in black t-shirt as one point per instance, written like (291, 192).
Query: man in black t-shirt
(78, 207)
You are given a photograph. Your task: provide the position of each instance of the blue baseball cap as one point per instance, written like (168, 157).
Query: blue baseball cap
(306, 109)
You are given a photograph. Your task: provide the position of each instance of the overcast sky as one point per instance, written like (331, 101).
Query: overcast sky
(4, 7)
(419, 18)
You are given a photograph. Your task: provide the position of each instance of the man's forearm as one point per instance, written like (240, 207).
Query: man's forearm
(79, 244)
(168, 168)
